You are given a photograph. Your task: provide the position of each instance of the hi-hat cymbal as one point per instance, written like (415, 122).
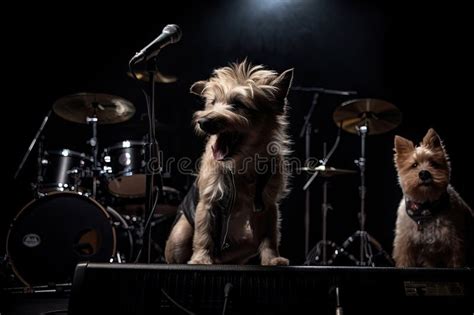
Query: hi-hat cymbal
(159, 77)
(327, 171)
(109, 109)
(379, 116)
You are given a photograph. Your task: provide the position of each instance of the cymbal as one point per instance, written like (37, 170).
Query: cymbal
(327, 171)
(159, 77)
(109, 109)
(379, 116)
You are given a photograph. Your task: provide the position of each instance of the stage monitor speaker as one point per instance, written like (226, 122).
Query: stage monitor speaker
(180, 289)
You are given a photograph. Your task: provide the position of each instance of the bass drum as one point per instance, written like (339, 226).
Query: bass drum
(50, 235)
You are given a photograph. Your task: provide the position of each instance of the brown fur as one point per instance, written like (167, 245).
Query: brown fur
(248, 103)
(446, 239)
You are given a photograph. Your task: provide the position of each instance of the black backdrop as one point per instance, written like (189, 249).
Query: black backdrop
(415, 57)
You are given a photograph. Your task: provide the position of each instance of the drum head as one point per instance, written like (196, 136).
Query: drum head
(133, 186)
(125, 167)
(52, 234)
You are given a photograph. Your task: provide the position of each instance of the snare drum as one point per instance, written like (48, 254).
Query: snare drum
(63, 170)
(125, 167)
(52, 234)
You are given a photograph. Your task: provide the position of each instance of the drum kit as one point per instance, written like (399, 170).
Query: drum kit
(361, 117)
(74, 216)
(87, 206)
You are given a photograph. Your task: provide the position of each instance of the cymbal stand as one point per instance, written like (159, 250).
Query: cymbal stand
(39, 167)
(306, 131)
(319, 253)
(324, 209)
(40, 153)
(365, 248)
(93, 142)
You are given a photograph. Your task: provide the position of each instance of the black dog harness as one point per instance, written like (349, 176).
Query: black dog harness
(222, 210)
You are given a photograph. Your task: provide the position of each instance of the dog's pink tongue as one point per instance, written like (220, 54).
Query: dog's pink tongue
(220, 149)
(217, 154)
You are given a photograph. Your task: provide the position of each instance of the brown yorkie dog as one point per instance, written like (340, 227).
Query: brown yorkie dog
(434, 225)
(231, 214)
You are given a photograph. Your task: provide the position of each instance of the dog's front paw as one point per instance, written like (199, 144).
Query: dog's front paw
(201, 260)
(276, 261)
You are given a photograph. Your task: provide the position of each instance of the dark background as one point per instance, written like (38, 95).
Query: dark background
(414, 57)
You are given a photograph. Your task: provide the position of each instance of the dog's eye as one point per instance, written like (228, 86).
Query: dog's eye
(414, 165)
(236, 104)
(434, 164)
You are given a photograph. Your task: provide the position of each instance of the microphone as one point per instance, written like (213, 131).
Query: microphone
(171, 34)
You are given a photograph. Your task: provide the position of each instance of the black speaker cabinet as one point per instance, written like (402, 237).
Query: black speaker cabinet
(181, 289)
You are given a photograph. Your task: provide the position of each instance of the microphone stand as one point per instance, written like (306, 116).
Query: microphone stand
(30, 148)
(153, 164)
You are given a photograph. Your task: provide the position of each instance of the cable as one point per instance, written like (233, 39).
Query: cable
(153, 143)
(228, 287)
(176, 303)
(147, 223)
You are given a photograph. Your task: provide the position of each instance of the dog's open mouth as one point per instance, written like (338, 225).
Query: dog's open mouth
(225, 145)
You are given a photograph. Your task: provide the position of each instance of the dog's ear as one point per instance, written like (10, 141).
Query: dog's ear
(283, 83)
(403, 145)
(198, 87)
(432, 140)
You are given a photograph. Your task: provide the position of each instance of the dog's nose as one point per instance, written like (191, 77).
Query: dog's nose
(208, 125)
(424, 175)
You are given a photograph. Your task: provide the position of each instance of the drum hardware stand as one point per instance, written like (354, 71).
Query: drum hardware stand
(39, 168)
(322, 245)
(40, 153)
(355, 116)
(93, 142)
(118, 255)
(325, 206)
(365, 249)
(306, 131)
(320, 250)
(339, 310)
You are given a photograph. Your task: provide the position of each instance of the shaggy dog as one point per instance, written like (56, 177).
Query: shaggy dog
(242, 177)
